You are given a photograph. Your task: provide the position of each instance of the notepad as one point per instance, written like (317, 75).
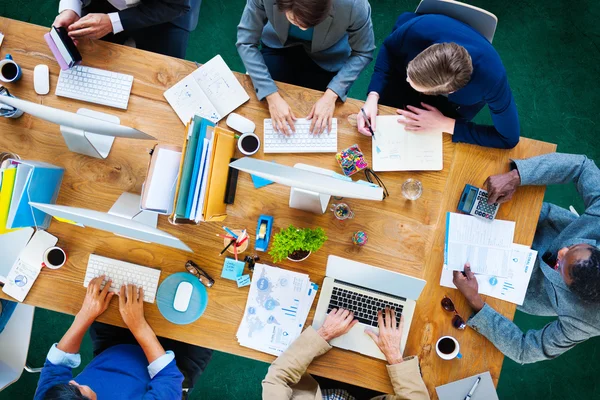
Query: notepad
(211, 91)
(232, 269)
(458, 390)
(395, 149)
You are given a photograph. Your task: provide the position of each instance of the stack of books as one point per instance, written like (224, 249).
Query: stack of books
(23, 182)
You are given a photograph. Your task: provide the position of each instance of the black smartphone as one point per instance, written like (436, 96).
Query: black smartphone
(68, 42)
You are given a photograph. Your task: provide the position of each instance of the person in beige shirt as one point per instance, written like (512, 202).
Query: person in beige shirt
(287, 377)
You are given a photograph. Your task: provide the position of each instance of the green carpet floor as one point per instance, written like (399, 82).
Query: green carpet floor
(551, 51)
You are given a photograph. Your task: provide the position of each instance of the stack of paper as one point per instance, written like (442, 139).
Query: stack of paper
(278, 304)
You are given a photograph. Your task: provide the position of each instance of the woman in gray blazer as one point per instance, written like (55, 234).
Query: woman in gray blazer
(320, 44)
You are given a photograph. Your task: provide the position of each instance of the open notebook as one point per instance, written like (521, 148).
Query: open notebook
(212, 91)
(395, 149)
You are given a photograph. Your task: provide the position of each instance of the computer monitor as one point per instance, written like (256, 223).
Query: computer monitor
(113, 222)
(86, 132)
(311, 186)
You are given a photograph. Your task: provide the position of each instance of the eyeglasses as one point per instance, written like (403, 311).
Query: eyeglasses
(198, 272)
(372, 177)
(458, 322)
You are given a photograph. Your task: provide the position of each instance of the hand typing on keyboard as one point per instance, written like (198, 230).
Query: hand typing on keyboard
(321, 114)
(96, 300)
(337, 323)
(390, 335)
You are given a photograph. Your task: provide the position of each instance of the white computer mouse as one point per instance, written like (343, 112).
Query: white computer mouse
(240, 124)
(183, 296)
(41, 79)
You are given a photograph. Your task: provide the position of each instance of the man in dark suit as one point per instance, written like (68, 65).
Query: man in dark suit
(160, 26)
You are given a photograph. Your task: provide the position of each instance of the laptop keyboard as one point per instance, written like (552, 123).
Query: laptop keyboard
(364, 307)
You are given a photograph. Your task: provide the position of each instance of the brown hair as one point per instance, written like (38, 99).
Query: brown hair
(441, 68)
(308, 13)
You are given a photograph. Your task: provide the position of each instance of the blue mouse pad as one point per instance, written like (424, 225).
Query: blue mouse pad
(166, 295)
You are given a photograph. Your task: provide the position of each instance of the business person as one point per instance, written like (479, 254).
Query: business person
(440, 73)
(160, 26)
(565, 281)
(319, 44)
(127, 364)
(287, 377)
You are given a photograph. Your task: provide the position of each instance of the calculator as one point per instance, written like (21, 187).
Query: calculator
(473, 201)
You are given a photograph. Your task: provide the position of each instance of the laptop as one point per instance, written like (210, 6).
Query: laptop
(364, 290)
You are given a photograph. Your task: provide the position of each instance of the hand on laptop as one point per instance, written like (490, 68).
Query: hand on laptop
(337, 323)
(389, 337)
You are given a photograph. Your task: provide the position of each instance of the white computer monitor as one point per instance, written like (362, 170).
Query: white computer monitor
(86, 132)
(112, 222)
(311, 186)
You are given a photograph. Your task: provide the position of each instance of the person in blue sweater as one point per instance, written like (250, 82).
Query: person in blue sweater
(439, 73)
(128, 364)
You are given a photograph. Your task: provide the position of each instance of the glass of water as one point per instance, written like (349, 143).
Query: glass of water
(412, 189)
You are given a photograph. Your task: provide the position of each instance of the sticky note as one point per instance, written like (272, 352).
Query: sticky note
(232, 269)
(243, 280)
(260, 182)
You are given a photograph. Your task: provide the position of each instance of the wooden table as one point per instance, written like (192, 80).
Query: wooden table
(404, 236)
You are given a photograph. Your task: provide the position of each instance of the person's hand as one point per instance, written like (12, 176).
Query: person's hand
(370, 108)
(466, 283)
(426, 118)
(281, 114)
(389, 337)
(322, 112)
(502, 187)
(65, 19)
(92, 26)
(337, 323)
(131, 307)
(96, 300)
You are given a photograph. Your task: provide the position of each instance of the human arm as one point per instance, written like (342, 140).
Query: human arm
(404, 373)
(288, 368)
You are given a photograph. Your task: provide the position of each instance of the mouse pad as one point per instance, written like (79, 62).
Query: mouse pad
(166, 295)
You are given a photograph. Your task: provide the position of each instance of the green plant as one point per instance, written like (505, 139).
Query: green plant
(293, 239)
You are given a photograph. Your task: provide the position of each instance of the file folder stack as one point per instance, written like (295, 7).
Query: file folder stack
(23, 182)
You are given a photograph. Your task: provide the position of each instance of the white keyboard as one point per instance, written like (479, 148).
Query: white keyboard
(302, 141)
(123, 273)
(95, 86)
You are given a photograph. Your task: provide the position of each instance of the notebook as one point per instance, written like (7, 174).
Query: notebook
(211, 91)
(459, 389)
(395, 149)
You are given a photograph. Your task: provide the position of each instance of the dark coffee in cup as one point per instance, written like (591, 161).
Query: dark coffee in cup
(9, 71)
(56, 257)
(249, 144)
(446, 346)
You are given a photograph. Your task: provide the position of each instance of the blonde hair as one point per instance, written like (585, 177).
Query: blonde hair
(442, 68)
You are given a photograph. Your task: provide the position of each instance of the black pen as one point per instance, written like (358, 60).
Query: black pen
(368, 123)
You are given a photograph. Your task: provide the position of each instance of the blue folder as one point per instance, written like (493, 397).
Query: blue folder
(198, 157)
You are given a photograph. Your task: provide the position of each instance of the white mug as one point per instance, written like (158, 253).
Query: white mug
(444, 355)
(251, 142)
(51, 263)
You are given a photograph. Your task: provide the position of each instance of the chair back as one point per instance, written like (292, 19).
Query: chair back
(14, 344)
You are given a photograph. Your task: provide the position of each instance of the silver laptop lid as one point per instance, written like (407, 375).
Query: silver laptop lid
(375, 278)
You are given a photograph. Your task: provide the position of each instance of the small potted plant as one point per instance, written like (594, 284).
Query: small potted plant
(296, 244)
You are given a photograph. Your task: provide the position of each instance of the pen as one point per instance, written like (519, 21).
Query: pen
(368, 123)
(225, 236)
(230, 232)
(468, 397)
(232, 241)
(242, 241)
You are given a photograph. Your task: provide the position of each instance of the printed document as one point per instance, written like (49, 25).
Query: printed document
(395, 149)
(486, 246)
(511, 288)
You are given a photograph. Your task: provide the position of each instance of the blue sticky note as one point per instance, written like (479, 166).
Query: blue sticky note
(243, 280)
(260, 182)
(232, 269)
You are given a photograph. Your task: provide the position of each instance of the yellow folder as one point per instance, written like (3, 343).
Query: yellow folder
(215, 208)
(8, 181)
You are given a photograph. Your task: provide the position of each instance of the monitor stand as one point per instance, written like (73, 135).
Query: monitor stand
(89, 143)
(307, 200)
(128, 206)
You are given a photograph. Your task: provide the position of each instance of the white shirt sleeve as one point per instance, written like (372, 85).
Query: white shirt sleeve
(116, 22)
(74, 5)
(161, 362)
(58, 357)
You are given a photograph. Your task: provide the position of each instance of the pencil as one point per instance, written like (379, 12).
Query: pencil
(232, 241)
(230, 232)
(368, 123)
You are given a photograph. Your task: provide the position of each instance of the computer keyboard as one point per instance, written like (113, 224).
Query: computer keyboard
(364, 307)
(95, 86)
(302, 141)
(123, 273)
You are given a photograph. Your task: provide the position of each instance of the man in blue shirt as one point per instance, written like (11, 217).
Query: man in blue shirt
(440, 73)
(127, 364)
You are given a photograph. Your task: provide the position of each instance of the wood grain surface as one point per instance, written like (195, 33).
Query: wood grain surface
(404, 236)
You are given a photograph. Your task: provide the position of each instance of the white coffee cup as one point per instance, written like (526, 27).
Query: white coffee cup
(450, 348)
(54, 258)
(248, 144)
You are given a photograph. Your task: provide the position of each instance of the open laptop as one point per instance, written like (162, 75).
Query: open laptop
(365, 290)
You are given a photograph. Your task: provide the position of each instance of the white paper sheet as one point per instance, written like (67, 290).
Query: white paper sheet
(395, 149)
(161, 189)
(512, 288)
(485, 245)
